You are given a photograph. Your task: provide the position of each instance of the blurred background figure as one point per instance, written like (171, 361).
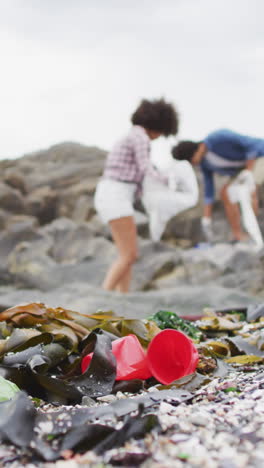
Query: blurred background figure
(166, 192)
(121, 184)
(226, 153)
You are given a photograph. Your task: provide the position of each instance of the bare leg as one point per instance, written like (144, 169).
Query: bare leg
(124, 283)
(207, 210)
(124, 233)
(233, 215)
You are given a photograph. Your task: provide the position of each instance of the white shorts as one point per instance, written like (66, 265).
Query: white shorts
(114, 199)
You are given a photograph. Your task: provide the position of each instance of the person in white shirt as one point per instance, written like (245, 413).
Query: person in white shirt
(167, 192)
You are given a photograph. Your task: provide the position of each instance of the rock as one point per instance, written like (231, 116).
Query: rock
(173, 278)
(205, 264)
(83, 209)
(75, 256)
(76, 201)
(154, 261)
(4, 215)
(22, 222)
(74, 242)
(59, 225)
(62, 165)
(98, 228)
(251, 282)
(199, 419)
(88, 299)
(54, 246)
(11, 199)
(30, 258)
(186, 225)
(16, 180)
(142, 223)
(42, 203)
(16, 233)
(79, 245)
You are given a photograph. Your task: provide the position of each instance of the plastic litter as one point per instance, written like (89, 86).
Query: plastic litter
(240, 191)
(171, 355)
(163, 200)
(131, 360)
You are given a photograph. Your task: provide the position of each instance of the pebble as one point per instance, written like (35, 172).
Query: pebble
(107, 398)
(199, 419)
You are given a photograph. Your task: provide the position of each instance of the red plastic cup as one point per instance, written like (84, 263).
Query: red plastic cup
(131, 359)
(171, 355)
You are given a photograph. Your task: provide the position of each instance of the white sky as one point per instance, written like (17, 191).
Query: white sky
(74, 70)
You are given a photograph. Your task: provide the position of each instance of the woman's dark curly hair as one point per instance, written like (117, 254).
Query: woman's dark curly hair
(184, 150)
(157, 115)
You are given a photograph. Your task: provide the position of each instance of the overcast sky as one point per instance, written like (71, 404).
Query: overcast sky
(74, 70)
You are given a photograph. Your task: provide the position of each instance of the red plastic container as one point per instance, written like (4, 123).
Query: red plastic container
(171, 355)
(131, 360)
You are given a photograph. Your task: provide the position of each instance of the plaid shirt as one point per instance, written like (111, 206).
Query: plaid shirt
(130, 158)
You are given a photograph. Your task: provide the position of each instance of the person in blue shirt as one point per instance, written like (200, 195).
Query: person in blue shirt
(226, 153)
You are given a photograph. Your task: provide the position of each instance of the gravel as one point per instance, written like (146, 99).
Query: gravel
(221, 427)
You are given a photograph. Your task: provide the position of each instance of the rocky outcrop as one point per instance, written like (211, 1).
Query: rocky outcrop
(54, 248)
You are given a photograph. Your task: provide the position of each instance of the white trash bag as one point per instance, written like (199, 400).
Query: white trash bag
(240, 192)
(163, 200)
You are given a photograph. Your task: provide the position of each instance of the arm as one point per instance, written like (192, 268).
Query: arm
(209, 192)
(199, 154)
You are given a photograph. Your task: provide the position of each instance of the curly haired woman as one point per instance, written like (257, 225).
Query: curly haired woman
(126, 166)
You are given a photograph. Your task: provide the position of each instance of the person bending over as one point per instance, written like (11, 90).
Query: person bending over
(125, 168)
(226, 153)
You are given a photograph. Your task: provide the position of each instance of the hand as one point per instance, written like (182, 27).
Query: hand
(250, 164)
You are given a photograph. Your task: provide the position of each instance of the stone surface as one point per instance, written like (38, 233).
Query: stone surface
(185, 300)
(54, 247)
(11, 199)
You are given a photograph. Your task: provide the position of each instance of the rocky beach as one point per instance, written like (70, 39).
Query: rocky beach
(55, 250)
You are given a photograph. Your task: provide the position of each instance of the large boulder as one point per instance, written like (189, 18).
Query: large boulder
(59, 181)
(62, 165)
